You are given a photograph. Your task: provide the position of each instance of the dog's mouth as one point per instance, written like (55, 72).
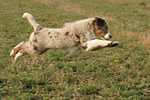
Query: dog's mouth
(104, 38)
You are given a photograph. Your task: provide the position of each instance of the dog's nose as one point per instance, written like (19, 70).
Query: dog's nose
(110, 36)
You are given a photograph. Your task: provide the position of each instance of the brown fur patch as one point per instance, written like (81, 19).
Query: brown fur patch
(77, 39)
(16, 50)
(23, 51)
(35, 40)
(66, 33)
(35, 48)
(30, 42)
(39, 27)
(99, 33)
(77, 36)
(35, 33)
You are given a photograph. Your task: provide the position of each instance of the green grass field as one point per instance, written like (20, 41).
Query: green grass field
(116, 73)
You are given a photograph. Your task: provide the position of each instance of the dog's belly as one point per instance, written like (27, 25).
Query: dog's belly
(56, 39)
(62, 42)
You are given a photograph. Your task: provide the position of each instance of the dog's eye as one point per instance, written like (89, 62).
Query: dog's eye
(104, 31)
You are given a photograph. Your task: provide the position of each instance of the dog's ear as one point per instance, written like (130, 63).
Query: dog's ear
(99, 22)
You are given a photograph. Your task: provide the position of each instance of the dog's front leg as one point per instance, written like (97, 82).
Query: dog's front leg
(98, 44)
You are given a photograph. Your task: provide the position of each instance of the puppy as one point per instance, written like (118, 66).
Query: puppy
(82, 34)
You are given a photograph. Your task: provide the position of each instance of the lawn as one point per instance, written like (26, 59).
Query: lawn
(119, 73)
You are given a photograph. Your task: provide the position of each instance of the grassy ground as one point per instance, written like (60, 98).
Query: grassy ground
(111, 73)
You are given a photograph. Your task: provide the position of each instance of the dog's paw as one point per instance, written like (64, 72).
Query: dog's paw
(113, 44)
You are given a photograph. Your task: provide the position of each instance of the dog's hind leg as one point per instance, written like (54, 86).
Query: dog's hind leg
(17, 48)
(20, 53)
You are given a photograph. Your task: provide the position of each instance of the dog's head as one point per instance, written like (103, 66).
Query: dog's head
(101, 29)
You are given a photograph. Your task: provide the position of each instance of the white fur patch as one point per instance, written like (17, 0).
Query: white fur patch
(107, 36)
(25, 15)
(12, 52)
(88, 35)
(17, 56)
(96, 43)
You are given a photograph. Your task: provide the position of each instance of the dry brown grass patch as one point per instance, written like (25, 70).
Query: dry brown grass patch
(124, 1)
(65, 5)
(141, 39)
(144, 40)
(68, 6)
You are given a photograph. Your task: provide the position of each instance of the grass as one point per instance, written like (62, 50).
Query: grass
(111, 73)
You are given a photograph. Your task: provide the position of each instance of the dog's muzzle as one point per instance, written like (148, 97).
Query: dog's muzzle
(107, 36)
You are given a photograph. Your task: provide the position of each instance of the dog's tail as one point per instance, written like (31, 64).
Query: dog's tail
(32, 21)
